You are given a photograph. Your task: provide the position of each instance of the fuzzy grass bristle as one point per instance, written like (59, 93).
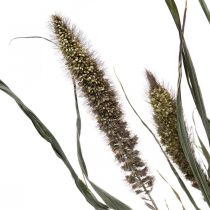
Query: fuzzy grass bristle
(165, 117)
(102, 100)
(152, 80)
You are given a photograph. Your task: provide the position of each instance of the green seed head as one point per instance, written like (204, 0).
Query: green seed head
(165, 117)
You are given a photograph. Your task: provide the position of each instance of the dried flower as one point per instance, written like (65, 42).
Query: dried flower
(165, 117)
(102, 99)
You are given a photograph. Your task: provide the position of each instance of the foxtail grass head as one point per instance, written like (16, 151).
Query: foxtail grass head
(102, 99)
(165, 117)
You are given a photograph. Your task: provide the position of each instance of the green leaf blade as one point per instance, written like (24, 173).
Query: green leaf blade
(48, 136)
(205, 9)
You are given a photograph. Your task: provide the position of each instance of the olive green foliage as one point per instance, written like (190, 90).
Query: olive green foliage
(102, 99)
(165, 117)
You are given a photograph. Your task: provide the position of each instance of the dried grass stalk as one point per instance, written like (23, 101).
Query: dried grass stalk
(102, 99)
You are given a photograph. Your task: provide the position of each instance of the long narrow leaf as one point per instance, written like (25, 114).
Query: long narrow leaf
(48, 136)
(167, 205)
(190, 72)
(174, 12)
(182, 131)
(195, 88)
(174, 191)
(110, 200)
(205, 9)
(203, 148)
(198, 173)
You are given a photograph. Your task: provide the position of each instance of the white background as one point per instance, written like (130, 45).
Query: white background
(128, 36)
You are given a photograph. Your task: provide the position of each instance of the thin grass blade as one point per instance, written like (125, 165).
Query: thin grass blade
(205, 9)
(31, 37)
(206, 154)
(195, 89)
(190, 71)
(182, 131)
(203, 148)
(167, 205)
(110, 200)
(198, 173)
(48, 136)
(174, 191)
(174, 12)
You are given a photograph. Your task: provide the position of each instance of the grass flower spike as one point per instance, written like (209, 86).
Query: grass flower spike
(102, 99)
(165, 117)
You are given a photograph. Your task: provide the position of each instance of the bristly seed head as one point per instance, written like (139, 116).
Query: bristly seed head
(165, 117)
(103, 102)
